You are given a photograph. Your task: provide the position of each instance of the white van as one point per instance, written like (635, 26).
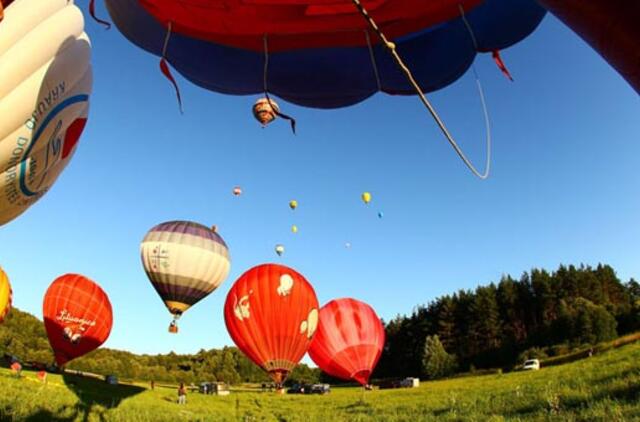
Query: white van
(531, 365)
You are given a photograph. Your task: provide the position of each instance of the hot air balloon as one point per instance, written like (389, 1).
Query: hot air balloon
(294, 228)
(185, 261)
(380, 214)
(237, 191)
(44, 97)
(324, 54)
(5, 295)
(279, 249)
(293, 204)
(265, 111)
(271, 313)
(349, 340)
(609, 26)
(366, 197)
(77, 316)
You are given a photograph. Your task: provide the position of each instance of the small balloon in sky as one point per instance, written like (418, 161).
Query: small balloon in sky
(366, 197)
(293, 204)
(294, 228)
(265, 111)
(380, 214)
(279, 249)
(237, 191)
(347, 245)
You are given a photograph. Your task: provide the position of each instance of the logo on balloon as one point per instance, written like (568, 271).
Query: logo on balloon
(310, 325)
(76, 326)
(241, 307)
(286, 284)
(159, 257)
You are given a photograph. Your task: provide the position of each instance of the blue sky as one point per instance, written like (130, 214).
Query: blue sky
(564, 187)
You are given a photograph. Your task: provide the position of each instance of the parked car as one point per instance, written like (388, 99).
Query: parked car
(217, 388)
(110, 379)
(320, 389)
(531, 365)
(299, 389)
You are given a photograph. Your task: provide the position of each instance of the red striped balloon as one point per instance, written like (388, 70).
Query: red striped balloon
(271, 313)
(349, 340)
(77, 317)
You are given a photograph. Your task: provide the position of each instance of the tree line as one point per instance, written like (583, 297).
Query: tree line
(493, 326)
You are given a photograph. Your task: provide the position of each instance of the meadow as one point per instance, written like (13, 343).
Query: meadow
(605, 387)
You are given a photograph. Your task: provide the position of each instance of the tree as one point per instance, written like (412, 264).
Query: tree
(436, 362)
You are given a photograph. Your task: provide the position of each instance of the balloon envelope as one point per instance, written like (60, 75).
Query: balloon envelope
(349, 340)
(293, 204)
(5, 295)
(320, 52)
(271, 313)
(77, 316)
(184, 261)
(366, 197)
(44, 98)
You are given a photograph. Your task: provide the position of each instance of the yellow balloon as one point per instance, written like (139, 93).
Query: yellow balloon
(294, 228)
(366, 197)
(293, 204)
(5, 295)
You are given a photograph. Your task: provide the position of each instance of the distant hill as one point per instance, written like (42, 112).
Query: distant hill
(24, 336)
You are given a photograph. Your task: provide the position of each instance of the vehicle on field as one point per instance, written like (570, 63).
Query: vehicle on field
(531, 365)
(217, 388)
(320, 389)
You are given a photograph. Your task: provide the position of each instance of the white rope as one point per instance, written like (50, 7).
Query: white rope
(392, 49)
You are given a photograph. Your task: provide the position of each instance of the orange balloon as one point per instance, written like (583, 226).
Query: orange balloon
(271, 313)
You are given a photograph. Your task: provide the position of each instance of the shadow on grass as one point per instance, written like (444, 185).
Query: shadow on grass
(93, 392)
(361, 406)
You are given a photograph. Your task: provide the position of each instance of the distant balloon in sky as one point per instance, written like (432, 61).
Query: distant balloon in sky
(44, 98)
(293, 204)
(271, 313)
(347, 245)
(349, 340)
(237, 191)
(185, 262)
(380, 214)
(294, 228)
(366, 197)
(279, 249)
(265, 111)
(5, 295)
(77, 316)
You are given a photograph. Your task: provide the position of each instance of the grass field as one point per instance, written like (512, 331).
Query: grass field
(605, 387)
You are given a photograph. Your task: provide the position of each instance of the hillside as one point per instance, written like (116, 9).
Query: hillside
(23, 335)
(604, 387)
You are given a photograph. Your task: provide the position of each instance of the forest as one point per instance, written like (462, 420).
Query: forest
(494, 326)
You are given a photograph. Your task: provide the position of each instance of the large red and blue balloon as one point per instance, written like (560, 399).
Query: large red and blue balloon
(321, 52)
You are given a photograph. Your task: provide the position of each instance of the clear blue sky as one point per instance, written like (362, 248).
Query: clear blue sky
(564, 189)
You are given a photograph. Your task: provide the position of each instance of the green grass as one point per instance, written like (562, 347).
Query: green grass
(605, 387)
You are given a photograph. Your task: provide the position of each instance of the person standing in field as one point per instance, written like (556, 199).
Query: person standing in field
(153, 384)
(182, 394)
